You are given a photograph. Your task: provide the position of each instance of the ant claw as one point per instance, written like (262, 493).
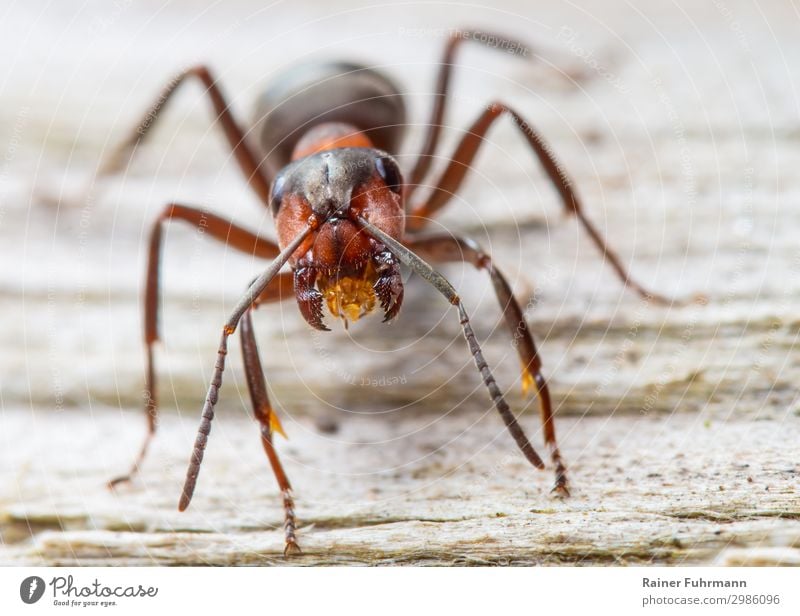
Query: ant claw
(701, 299)
(113, 483)
(291, 549)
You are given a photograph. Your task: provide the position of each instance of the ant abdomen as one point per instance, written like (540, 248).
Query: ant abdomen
(316, 93)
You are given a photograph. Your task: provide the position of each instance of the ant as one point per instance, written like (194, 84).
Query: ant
(319, 155)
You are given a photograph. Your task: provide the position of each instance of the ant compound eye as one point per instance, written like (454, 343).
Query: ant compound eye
(387, 169)
(277, 193)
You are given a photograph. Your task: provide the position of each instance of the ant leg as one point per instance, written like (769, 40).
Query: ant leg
(460, 163)
(246, 159)
(447, 249)
(218, 228)
(269, 423)
(457, 37)
(406, 256)
(250, 297)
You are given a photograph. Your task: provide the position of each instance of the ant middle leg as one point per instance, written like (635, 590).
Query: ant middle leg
(219, 229)
(268, 424)
(449, 249)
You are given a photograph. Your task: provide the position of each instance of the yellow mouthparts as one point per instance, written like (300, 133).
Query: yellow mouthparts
(349, 297)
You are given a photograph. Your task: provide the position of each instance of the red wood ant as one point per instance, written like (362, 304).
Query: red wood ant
(319, 155)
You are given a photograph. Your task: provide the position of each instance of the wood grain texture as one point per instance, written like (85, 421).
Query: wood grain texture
(655, 490)
(679, 127)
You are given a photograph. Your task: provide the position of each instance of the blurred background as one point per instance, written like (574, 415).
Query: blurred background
(679, 126)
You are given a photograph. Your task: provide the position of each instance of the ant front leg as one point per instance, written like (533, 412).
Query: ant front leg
(461, 161)
(247, 161)
(251, 296)
(269, 424)
(218, 228)
(448, 249)
(410, 259)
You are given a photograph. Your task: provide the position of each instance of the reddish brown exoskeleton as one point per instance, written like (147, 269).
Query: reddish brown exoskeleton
(319, 154)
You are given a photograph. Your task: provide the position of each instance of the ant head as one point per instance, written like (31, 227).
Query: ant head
(326, 181)
(340, 262)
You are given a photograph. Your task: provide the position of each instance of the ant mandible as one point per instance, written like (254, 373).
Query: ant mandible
(319, 155)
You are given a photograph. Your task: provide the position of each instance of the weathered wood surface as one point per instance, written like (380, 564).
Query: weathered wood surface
(680, 426)
(650, 490)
